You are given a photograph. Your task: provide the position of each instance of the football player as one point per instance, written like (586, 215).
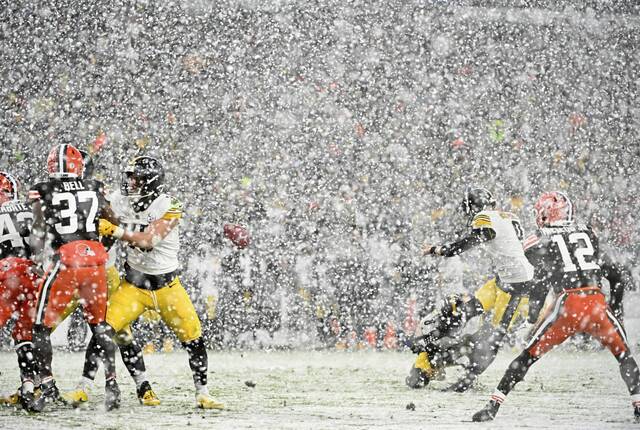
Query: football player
(501, 234)
(151, 222)
(569, 263)
(18, 287)
(66, 210)
(130, 351)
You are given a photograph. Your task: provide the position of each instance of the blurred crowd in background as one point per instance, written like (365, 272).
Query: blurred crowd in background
(340, 134)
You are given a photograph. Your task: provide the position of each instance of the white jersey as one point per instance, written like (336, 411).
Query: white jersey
(506, 248)
(163, 258)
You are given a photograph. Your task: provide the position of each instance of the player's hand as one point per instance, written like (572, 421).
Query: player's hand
(427, 248)
(105, 228)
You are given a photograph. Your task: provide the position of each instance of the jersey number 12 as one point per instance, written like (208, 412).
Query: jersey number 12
(579, 253)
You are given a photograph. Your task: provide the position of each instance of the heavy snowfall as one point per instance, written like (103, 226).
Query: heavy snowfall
(341, 136)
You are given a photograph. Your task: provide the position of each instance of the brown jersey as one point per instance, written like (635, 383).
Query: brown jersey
(15, 228)
(71, 208)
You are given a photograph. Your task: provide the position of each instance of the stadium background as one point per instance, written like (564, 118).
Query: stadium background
(342, 135)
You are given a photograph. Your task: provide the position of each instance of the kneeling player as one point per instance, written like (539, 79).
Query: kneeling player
(501, 234)
(18, 288)
(151, 281)
(569, 262)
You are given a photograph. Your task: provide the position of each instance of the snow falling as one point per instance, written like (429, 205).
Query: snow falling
(340, 136)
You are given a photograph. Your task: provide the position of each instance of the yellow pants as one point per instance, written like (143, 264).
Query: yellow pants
(494, 299)
(171, 301)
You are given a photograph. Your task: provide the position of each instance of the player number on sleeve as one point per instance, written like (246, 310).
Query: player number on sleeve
(579, 253)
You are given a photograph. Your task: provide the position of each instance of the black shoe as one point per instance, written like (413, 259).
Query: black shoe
(462, 385)
(49, 394)
(636, 414)
(28, 402)
(417, 378)
(111, 395)
(488, 413)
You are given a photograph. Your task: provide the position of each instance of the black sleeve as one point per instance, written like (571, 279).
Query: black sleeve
(476, 237)
(619, 278)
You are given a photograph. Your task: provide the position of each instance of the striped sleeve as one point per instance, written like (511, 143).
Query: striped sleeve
(481, 221)
(531, 240)
(34, 194)
(174, 211)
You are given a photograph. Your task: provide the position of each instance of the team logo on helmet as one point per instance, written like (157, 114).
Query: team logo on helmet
(8, 188)
(476, 200)
(553, 209)
(65, 161)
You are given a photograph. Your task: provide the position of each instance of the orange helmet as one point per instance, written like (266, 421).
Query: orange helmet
(552, 209)
(65, 161)
(8, 188)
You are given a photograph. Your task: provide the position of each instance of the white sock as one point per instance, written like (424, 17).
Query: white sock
(498, 397)
(139, 379)
(27, 386)
(84, 383)
(202, 389)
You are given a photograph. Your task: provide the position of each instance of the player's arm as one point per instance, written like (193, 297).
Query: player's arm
(619, 278)
(152, 235)
(38, 231)
(147, 239)
(476, 237)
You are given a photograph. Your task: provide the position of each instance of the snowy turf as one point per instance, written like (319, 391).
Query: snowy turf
(354, 390)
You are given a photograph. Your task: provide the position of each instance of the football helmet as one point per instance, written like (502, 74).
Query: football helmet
(65, 161)
(476, 200)
(143, 180)
(553, 209)
(89, 165)
(8, 188)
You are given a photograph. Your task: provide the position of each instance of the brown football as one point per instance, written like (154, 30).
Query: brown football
(237, 234)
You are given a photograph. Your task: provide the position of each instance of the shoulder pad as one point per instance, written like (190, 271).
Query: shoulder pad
(481, 220)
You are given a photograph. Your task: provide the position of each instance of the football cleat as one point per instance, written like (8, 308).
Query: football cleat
(10, 399)
(111, 395)
(417, 378)
(205, 401)
(423, 371)
(146, 396)
(49, 394)
(76, 398)
(488, 413)
(28, 402)
(636, 414)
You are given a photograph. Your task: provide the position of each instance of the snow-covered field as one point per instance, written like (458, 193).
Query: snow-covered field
(329, 390)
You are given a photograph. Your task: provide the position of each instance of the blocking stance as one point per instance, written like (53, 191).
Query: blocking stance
(569, 262)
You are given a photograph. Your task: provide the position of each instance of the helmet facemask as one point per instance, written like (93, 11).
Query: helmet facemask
(8, 188)
(142, 182)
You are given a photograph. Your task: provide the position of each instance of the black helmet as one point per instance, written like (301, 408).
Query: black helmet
(143, 181)
(89, 166)
(476, 200)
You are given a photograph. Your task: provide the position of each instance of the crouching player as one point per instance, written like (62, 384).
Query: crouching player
(568, 261)
(18, 287)
(66, 210)
(151, 227)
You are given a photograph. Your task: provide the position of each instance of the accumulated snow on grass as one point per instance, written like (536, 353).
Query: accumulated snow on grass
(347, 390)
